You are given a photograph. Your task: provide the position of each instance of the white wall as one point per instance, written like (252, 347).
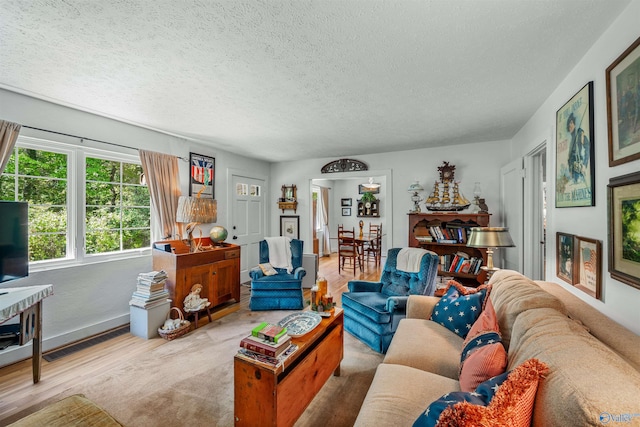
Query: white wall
(619, 301)
(93, 298)
(474, 162)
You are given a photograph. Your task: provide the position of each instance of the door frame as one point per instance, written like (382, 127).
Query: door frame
(534, 233)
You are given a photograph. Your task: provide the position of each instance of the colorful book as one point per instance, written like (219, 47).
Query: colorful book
(273, 362)
(269, 331)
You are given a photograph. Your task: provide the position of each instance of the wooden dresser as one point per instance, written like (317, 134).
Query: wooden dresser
(217, 270)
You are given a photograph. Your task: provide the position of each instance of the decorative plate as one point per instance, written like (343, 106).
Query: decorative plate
(298, 324)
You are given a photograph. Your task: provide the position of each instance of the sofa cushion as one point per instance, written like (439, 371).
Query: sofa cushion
(586, 379)
(507, 399)
(459, 307)
(483, 355)
(426, 345)
(511, 294)
(398, 395)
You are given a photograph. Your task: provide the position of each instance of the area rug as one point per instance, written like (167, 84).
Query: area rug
(189, 381)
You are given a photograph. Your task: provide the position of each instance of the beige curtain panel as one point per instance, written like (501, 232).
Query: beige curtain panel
(163, 180)
(8, 136)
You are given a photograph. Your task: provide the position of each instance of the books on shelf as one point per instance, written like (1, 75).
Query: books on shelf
(460, 262)
(268, 348)
(269, 332)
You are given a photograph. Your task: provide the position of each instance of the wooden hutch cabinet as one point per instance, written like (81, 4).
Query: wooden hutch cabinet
(217, 270)
(423, 226)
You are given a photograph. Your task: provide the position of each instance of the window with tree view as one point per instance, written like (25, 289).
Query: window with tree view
(40, 178)
(117, 209)
(116, 213)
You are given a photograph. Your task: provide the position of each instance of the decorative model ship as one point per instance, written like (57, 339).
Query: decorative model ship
(445, 196)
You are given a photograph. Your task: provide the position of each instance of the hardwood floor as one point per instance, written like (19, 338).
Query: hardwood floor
(17, 391)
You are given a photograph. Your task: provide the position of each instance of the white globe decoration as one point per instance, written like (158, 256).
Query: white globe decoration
(218, 234)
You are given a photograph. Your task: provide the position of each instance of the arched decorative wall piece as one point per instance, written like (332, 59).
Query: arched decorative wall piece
(344, 165)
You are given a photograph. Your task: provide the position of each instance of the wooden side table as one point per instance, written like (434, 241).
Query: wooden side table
(269, 396)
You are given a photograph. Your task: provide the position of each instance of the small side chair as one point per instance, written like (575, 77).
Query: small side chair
(282, 291)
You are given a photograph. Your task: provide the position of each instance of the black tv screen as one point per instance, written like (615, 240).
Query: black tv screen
(14, 240)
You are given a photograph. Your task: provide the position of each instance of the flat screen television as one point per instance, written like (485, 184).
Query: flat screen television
(14, 240)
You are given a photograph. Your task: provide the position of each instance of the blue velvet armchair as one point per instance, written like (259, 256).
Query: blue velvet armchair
(282, 291)
(372, 310)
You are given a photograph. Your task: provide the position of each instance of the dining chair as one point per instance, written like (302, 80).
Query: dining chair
(348, 249)
(374, 246)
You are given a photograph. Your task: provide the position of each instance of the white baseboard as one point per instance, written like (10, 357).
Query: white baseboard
(16, 353)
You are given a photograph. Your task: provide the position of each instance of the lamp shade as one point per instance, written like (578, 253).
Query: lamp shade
(415, 187)
(197, 209)
(490, 237)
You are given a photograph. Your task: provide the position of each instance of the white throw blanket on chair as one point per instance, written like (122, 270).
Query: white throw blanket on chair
(280, 252)
(409, 259)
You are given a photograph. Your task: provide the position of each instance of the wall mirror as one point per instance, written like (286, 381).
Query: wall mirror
(288, 193)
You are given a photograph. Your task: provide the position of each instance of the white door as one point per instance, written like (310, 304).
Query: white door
(248, 219)
(511, 198)
(535, 213)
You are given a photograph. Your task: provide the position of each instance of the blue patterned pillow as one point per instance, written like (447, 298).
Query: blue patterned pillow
(459, 307)
(482, 396)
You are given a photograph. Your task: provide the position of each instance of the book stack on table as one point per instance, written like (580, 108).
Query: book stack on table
(150, 291)
(267, 343)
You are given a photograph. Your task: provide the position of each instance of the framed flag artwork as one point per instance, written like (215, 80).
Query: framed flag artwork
(202, 175)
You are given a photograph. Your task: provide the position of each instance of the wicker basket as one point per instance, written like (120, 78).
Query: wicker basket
(178, 332)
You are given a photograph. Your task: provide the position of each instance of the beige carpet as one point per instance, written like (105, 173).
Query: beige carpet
(189, 381)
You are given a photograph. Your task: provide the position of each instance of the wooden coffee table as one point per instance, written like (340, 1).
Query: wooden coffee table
(269, 396)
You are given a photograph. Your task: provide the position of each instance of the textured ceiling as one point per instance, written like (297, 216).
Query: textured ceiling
(285, 80)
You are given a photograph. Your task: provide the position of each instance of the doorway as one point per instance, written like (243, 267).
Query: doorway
(535, 212)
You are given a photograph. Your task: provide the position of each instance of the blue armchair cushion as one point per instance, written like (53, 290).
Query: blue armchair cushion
(398, 282)
(459, 307)
(267, 269)
(372, 305)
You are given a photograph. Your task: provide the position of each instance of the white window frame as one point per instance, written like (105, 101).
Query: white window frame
(76, 200)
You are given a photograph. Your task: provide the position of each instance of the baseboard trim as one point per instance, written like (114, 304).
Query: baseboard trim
(16, 354)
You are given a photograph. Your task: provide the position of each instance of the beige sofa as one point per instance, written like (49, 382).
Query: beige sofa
(594, 362)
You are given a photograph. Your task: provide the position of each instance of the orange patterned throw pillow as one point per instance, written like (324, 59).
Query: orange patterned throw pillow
(483, 355)
(512, 404)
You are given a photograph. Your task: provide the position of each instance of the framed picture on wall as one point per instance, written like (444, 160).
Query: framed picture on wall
(624, 228)
(589, 266)
(565, 257)
(202, 175)
(346, 211)
(345, 202)
(575, 172)
(623, 106)
(290, 226)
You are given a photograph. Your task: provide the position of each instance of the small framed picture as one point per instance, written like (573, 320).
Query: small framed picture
(290, 226)
(346, 211)
(345, 202)
(623, 86)
(624, 228)
(202, 175)
(589, 266)
(565, 257)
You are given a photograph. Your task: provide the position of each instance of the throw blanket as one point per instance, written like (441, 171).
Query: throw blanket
(280, 252)
(409, 259)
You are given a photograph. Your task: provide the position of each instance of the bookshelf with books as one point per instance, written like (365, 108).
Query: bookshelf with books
(446, 234)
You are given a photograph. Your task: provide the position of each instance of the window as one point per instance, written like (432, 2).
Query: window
(117, 212)
(115, 215)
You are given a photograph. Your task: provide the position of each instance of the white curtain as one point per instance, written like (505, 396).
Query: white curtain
(163, 179)
(8, 136)
(324, 194)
